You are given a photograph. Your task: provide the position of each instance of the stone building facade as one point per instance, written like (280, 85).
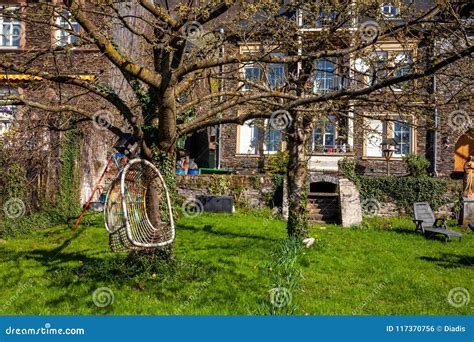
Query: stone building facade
(440, 134)
(40, 47)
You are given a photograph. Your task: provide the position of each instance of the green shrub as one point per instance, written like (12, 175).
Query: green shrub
(416, 164)
(219, 185)
(404, 191)
(347, 167)
(277, 163)
(67, 204)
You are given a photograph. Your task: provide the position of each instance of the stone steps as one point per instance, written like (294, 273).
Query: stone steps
(323, 209)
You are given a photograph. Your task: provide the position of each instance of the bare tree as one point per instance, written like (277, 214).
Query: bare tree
(166, 75)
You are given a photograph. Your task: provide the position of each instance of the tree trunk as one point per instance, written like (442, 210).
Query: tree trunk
(158, 147)
(297, 174)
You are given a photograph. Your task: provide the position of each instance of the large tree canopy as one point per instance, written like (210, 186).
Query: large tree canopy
(174, 67)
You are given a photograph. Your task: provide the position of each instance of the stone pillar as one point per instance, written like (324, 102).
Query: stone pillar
(351, 212)
(467, 211)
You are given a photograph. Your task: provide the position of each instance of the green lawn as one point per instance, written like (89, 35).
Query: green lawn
(223, 268)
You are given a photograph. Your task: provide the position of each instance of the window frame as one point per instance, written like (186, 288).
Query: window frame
(410, 139)
(255, 137)
(404, 66)
(376, 72)
(13, 23)
(7, 119)
(282, 80)
(335, 123)
(61, 36)
(268, 129)
(325, 80)
(325, 17)
(391, 6)
(388, 131)
(249, 66)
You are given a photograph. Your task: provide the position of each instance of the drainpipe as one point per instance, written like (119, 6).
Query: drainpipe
(299, 18)
(221, 99)
(436, 119)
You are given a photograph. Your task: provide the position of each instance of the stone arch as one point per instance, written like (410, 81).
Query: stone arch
(324, 183)
(463, 149)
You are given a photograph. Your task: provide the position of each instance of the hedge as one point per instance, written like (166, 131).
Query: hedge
(404, 191)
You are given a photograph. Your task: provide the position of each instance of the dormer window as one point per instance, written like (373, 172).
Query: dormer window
(389, 10)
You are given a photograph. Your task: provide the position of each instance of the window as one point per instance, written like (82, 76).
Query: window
(7, 111)
(275, 75)
(375, 134)
(402, 135)
(69, 24)
(389, 10)
(326, 17)
(272, 141)
(248, 138)
(377, 130)
(403, 63)
(378, 70)
(325, 76)
(252, 73)
(10, 27)
(324, 136)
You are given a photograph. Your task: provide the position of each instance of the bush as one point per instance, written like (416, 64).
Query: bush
(417, 165)
(277, 163)
(347, 168)
(404, 191)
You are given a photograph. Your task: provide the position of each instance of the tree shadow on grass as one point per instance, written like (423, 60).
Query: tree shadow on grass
(211, 230)
(73, 275)
(449, 260)
(413, 232)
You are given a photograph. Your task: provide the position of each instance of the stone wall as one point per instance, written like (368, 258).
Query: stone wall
(448, 210)
(42, 162)
(252, 191)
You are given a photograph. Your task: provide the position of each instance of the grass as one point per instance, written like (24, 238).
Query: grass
(227, 264)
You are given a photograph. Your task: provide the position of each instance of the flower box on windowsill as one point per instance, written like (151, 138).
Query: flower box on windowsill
(332, 151)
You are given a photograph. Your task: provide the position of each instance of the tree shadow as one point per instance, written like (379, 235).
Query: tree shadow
(435, 237)
(449, 260)
(210, 229)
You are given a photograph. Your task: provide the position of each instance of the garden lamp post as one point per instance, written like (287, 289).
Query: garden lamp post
(388, 147)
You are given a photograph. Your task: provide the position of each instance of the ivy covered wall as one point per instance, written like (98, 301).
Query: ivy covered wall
(17, 214)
